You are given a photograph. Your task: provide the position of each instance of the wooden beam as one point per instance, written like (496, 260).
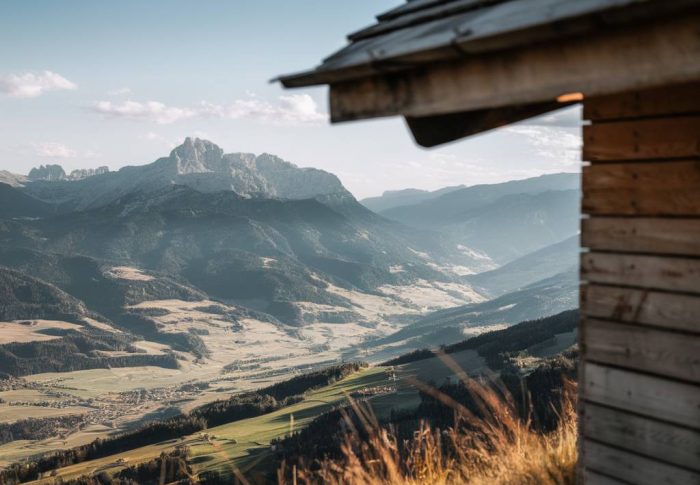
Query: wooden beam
(677, 236)
(667, 442)
(652, 396)
(634, 468)
(620, 59)
(646, 307)
(647, 139)
(680, 99)
(642, 348)
(647, 272)
(429, 131)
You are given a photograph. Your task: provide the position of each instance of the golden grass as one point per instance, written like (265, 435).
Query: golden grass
(497, 448)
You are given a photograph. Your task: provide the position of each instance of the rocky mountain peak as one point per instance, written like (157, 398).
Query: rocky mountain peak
(55, 173)
(50, 173)
(201, 165)
(197, 156)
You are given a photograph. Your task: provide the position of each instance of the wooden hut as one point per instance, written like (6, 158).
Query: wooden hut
(453, 68)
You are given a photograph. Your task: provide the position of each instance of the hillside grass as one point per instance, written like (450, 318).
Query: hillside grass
(497, 447)
(240, 444)
(242, 448)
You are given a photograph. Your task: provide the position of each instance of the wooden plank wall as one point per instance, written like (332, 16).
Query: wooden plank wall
(640, 295)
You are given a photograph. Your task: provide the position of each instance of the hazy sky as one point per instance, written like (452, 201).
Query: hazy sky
(86, 83)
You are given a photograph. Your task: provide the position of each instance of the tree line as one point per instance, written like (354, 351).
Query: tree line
(237, 407)
(499, 346)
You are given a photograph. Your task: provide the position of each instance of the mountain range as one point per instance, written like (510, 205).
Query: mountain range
(212, 272)
(504, 221)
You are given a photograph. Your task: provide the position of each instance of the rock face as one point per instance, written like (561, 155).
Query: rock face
(199, 164)
(55, 173)
(49, 173)
(83, 173)
(203, 165)
(12, 179)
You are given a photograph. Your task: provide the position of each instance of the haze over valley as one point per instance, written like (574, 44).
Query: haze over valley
(144, 293)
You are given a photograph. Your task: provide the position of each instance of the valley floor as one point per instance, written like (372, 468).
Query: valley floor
(244, 445)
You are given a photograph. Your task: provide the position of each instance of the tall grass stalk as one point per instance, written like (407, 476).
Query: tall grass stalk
(493, 446)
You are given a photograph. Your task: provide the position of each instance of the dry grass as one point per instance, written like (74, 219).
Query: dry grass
(498, 448)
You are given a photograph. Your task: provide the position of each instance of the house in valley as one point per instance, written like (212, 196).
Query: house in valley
(455, 68)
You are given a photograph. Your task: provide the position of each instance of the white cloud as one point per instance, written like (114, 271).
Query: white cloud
(556, 144)
(55, 150)
(295, 109)
(31, 85)
(151, 136)
(119, 92)
(149, 111)
(570, 117)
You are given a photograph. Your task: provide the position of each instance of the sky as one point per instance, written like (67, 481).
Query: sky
(87, 83)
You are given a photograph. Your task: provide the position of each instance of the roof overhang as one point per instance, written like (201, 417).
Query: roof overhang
(443, 100)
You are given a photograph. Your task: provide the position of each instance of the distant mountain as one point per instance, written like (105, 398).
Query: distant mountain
(14, 203)
(546, 297)
(504, 221)
(396, 198)
(264, 253)
(528, 269)
(451, 207)
(55, 173)
(196, 163)
(518, 224)
(49, 173)
(12, 179)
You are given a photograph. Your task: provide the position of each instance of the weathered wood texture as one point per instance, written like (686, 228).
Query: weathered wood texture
(630, 58)
(677, 236)
(643, 189)
(682, 99)
(651, 396)
(640, 329)
(642, 348)
(645, 307)
(655, 272)
(646, 139)
(633, 468)
(662, 441)
(593, 478)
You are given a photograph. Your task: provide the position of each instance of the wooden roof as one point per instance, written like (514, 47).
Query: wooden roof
(485, 63)
(423, 31)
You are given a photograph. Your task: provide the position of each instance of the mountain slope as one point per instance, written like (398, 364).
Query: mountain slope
(14, 203)
(504, 221)
(263, 253)
(13, 179)
(546, 297)
(22, 296)
(518, 224)
(528, 269)
(450, 207)
(397, 198)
